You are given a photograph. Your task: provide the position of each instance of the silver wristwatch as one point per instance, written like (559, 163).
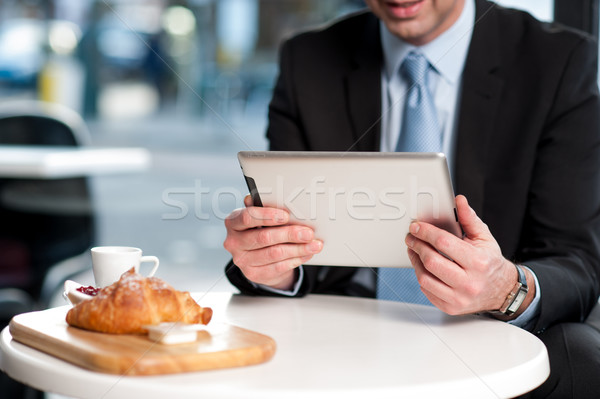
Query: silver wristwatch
(517, 295)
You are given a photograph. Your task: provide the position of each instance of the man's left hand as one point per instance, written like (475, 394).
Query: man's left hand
(473, 276)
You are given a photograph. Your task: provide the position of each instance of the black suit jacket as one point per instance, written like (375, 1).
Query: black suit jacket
(528, 144)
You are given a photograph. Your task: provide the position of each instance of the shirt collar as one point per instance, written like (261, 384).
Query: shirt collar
(447, 53)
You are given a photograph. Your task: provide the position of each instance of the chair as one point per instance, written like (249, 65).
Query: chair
(41, 245)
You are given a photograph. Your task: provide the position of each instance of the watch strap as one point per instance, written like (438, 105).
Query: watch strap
(517, 295)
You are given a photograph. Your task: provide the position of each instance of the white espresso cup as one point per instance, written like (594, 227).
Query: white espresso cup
(109, 263)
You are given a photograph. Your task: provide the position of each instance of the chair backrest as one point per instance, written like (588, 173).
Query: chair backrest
(41, 238)
(30, 122)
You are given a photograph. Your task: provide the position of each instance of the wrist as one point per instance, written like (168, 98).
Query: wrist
(288, 282)
(520, 295)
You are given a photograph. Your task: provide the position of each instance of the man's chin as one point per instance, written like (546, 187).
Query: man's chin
(410, 31)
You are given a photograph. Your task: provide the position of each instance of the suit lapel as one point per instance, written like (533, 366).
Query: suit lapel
(481, 90)
(363, 86)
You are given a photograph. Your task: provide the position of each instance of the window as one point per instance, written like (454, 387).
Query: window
(541, 9)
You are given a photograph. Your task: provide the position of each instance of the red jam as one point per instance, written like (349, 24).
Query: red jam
(89, 290)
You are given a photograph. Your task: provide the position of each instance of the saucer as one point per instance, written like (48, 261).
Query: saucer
(71, 293)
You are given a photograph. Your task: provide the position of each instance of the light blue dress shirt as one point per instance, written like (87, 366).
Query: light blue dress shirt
(447, 54)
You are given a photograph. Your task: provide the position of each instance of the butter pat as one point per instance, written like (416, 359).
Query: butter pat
(174, 333)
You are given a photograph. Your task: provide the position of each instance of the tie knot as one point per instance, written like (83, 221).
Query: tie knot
(414, 67)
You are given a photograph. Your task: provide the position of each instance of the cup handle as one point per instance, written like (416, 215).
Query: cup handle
(153, 259)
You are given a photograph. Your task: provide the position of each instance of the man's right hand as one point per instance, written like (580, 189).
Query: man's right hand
(265, 247)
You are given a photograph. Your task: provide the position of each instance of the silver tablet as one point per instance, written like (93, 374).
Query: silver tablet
(360, 204)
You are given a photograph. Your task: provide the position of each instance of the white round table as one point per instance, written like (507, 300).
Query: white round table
(327, 346)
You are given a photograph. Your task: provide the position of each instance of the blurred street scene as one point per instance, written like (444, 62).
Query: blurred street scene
(189, 81)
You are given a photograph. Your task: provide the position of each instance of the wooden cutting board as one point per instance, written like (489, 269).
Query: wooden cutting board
(219, 346)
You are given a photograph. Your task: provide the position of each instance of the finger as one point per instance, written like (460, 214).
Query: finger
(434, 271)
(433, 288)
(248, 201)
(266, 237)
(278, 253)
(440, 241)
(438, 302)
(451, 302)
(273, 273)
(438, 292)
(248, 218)
(416, 262)
(438, 265)
(472, 225)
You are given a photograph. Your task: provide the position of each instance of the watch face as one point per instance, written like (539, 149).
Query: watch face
(514, 306)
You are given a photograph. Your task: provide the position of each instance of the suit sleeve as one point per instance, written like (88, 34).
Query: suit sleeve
(285, 131)
(562, 225)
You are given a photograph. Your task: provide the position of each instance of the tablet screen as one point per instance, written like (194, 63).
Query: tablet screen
(359, 204)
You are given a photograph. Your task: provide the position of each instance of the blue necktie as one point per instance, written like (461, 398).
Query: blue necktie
(420, 133)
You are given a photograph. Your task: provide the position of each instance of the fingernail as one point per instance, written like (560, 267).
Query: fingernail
(305, 235)
(315, 246)
(414, 227)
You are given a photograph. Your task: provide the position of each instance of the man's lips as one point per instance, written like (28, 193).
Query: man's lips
(404, 9)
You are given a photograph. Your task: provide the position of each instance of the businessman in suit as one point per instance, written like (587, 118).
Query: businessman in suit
(519, 107)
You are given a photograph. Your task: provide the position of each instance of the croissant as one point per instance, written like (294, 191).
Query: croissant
(134, 301)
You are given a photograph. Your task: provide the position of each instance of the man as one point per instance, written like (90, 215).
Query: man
(519, 106)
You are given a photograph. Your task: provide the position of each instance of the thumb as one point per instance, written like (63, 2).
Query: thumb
(472, 225)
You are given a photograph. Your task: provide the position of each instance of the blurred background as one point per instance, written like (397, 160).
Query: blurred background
(190, 81)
